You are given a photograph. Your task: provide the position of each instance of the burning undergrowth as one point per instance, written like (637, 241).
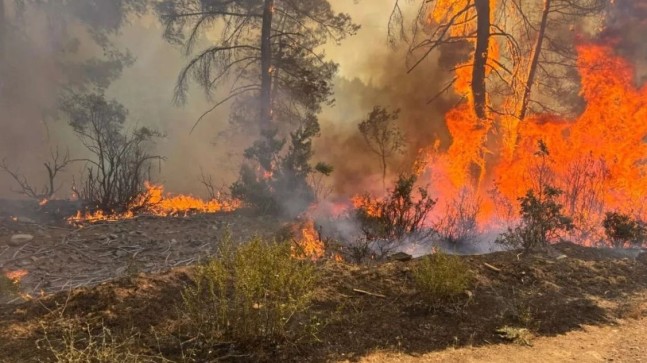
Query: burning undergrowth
(596, 162)
(597, 159)
(155, 202)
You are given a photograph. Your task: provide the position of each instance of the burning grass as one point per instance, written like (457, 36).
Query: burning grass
(155, 202)
(10, 283)
(308, 243)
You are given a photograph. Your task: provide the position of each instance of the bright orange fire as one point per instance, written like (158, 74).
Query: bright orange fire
(598, 159)
(369, 205)
(308, 245)
(154, 202)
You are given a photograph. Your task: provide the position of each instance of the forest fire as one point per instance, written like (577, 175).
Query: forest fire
(154, 202)
(599, 159)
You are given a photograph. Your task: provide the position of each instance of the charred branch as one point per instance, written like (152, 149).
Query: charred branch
(56, 164)
(481, 57)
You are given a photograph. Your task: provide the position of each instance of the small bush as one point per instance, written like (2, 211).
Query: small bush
(254, 292)
(541, 221)
(121, 161)
(458, 226)
(398, 215)
(441, 278)
(622, 229)
(73, 344)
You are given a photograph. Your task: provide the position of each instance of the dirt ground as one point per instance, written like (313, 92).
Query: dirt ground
(576, 303)
(61, 256)
(624, 342)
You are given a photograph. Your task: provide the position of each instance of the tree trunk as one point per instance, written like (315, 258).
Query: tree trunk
(266, 66)
(534, 61)
(481, 56)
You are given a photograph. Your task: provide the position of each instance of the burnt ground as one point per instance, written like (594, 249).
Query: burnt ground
(62, 256)
(143, 272)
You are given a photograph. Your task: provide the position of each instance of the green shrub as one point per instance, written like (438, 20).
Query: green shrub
(542, 215)
(622, 229)
(541, 220)
(441, 278)
(252, 292)
(398, 215)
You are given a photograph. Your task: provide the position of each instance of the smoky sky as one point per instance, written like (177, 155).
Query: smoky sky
(392, 87)
(626, 27)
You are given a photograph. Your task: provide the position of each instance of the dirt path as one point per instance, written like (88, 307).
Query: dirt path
(625, 342)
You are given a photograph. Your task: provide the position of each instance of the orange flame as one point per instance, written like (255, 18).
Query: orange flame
(369, 205)
(599, 159)
(154, 202)
(308, 245)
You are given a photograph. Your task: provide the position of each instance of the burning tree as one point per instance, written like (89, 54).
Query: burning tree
(508, 48)
(547, 58)
(510, 45)
(121, 164)
(457, 23)
(552, 74)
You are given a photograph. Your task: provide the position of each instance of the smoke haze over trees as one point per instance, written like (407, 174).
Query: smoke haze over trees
(61, 47)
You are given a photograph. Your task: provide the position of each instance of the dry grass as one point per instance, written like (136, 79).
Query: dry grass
(70, 342)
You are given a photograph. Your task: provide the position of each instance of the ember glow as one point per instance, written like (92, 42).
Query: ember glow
(155, 202)
(16, 276)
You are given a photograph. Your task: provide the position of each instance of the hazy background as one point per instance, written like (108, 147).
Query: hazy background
(370, 73)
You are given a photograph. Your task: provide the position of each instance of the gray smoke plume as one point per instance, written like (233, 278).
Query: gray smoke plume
(626, 26)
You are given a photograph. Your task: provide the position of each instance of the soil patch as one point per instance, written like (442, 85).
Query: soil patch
(358, 309)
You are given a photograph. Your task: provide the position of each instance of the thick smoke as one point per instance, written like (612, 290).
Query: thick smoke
(119, 53)
(626, 26)
(391, 87)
